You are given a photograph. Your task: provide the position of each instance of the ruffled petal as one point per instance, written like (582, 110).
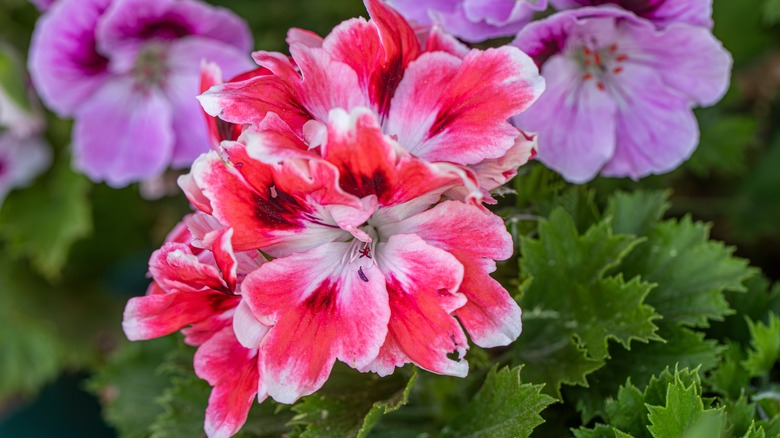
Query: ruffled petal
(64, 62)
(381, 168)
(476, 239)
(232, 370)
(175, 267)
(661, 12)
(277, 208)
(588, 113)
(656, 129)
(322, 309)
(421, 284)
(688, 58)
(459, 108)
(123, 134)
(133, 22)
(182, 88)
(156, 315)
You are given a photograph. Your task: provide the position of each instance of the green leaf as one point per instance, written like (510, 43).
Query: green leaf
(351, 403)
(682, 347)
(503, 407)
(683, 414)
(691, 272)
(636, 212)
(568, 297)
(43, 221)
(756, 303)
(730, 377)
(755, 431)
(131, 382)
(765, 346)
(740, 414)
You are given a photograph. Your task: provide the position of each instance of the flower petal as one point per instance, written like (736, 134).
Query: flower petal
(579, 151)
(381, 168)
(460, 108)
(421, 284)
(475, 238)
(661, 12)
(322, 310)
(123, 134)
(175, 267)
(182, 88)
(688, 58)
(656, 129)
(232, 370)
(156, 315)
(64, 63)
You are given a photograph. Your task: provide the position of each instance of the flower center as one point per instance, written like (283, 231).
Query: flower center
(150, 67)
(601, 63)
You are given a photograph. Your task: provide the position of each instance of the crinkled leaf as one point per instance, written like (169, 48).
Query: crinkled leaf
(691, 272)
(730, 376)
(636, 212)
(503, 407)
(568, 297)
(351, 404)
(755, 431)
(682, 347)
(600, 431)
(130, 384)
(740, 414)
(756, 303)
(684, 413)
(764, 346)
(42, 221)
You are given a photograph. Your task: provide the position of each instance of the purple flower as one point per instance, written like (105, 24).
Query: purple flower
(661, 12)
(620, 91)
(471, 20)
(128, 71)
(42, 5)
(23, 153)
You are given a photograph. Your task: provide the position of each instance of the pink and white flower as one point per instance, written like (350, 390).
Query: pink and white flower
(195, 291)
(369, 266)
(441, 101)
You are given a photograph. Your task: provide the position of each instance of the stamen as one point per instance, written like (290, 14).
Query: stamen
(597, 58)
(587, 76)
(617, 69)
(601, 86)
(613, 48)
(622, 57)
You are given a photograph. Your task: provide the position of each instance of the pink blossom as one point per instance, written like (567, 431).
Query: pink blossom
(441, 101)
(472, 20)
(661, 12)
(128, 71)
(620, 91)
(24, 154)
(369, 267)
(195, 291)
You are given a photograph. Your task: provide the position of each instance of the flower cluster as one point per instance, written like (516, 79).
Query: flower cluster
(128, 71)
(623, 76)
(358, 168)
(622, 87)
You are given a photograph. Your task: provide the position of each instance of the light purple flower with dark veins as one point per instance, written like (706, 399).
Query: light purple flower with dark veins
(471, 20)
(128, 71)
(661, 12)
(620, 91)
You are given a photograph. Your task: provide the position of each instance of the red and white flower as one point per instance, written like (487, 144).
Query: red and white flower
(195, 291)
(369, 266)
(440, 100)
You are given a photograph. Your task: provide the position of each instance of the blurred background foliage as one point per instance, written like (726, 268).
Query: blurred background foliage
(72, 253)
